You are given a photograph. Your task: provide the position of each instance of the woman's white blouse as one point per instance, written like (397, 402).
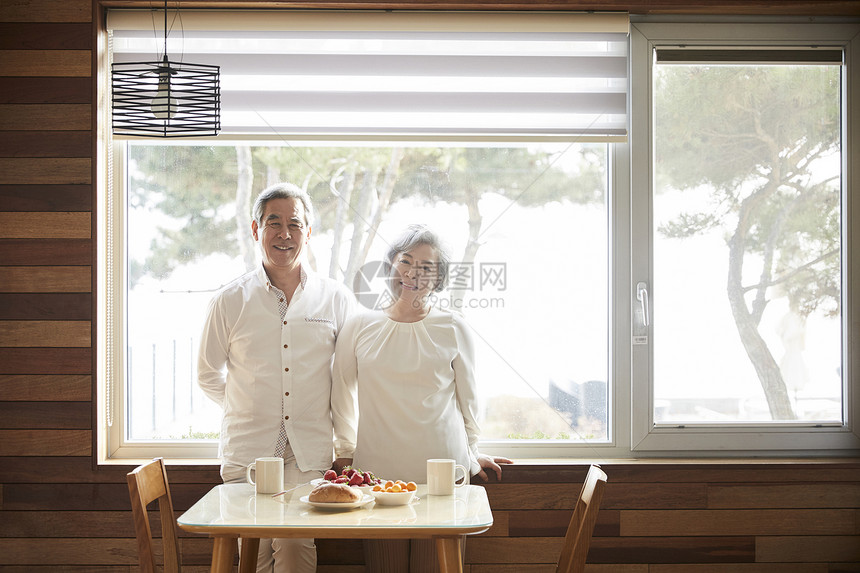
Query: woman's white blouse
(415, 387)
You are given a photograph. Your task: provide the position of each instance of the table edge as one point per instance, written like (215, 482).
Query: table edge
(335, 532)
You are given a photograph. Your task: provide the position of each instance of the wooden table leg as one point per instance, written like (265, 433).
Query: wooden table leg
(448, 554)
(223, 553)
(248, 554)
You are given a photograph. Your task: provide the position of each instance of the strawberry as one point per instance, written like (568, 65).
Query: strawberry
(356, 479)
(342, 479)
(330, 475)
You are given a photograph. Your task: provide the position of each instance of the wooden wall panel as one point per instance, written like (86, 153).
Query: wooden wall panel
(742, 568)
(46, 415)
(46, 11)
(45, 36)
(46, 361)
(46, 144)
(81, 497)
(55, 306)
(45, 279)
(722, 549)
(47, 170)
(80, 470)
(45, 333)
(45, 117)
(59, 511)
(45, 90)
(31, 388)
(45, 63)
(561, 496)
(44, 443)
(777, 495)
(59, 252)
(739, 522)
(808, 548)
(542, 568)
(539, 523)
(103, 569)
(27, 197)
(52, 225)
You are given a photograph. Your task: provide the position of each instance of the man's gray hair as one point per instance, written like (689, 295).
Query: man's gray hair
(415, 235)
(283, 191)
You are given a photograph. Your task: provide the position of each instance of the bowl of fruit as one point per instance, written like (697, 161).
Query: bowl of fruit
(353, 477)
(393, 492)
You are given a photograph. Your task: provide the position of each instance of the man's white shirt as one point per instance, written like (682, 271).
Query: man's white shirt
(249, 359)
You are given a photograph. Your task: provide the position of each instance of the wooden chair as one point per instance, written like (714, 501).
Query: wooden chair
(578, 537)
(146, 484)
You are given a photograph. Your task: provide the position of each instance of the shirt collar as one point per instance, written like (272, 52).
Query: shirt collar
(264, 277)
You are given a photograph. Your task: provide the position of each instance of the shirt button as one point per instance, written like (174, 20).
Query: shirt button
(281, 299)
(286, 369)
(286, 417)
(285, 322)
(286, 393)
(286, 345)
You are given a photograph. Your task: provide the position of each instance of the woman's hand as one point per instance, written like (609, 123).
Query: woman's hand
(341, 463)
(491, 463)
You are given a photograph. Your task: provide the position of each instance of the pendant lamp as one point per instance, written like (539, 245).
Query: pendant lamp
(165, 98)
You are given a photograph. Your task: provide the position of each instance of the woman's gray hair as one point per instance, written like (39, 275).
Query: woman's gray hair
(415, 235)
(283, 191)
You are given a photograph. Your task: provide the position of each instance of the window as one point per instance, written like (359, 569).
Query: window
(187, 237)
(745, 297)
(594, 271)
(513, 128)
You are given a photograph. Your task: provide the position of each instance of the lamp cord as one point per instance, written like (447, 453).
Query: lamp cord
(165, 28)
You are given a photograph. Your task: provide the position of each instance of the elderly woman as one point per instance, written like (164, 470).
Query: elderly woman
(412, 367)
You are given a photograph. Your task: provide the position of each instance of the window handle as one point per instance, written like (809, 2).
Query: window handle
(642, 297)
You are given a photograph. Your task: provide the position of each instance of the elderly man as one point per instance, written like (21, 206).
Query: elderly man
(265, 357)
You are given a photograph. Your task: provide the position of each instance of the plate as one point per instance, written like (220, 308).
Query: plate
(393, 498)
(338, 506)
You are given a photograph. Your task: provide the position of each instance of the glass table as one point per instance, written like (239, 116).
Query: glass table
(232, 511)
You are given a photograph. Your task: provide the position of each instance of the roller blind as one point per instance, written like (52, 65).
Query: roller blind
(399, 75)
(724, 55)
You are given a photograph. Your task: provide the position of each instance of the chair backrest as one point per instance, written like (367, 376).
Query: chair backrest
(146, 484)
(578, 537)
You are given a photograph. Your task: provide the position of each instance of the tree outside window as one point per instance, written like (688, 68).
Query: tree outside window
(747, 243)
(524, 223)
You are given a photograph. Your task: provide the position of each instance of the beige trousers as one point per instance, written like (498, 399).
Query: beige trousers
(284, 555)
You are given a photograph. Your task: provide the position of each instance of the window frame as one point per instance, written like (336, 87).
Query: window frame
(631, 429)
(111, 441)
(806, 439)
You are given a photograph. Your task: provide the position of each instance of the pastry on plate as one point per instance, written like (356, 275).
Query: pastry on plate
(334, 493)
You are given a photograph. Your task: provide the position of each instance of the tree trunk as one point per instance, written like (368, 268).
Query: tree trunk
(384, 199)
(359, 223)
(273, 174)
(343, 194)
(472, 245)
(244, 184)
(766, 367)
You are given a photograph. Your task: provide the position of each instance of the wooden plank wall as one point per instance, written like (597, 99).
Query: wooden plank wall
(60, 512)
(702, 517)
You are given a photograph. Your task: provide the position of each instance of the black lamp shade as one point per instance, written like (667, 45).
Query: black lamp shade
(165, 99)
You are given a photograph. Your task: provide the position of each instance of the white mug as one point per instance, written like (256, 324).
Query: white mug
(268, 475)
(441, 477)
